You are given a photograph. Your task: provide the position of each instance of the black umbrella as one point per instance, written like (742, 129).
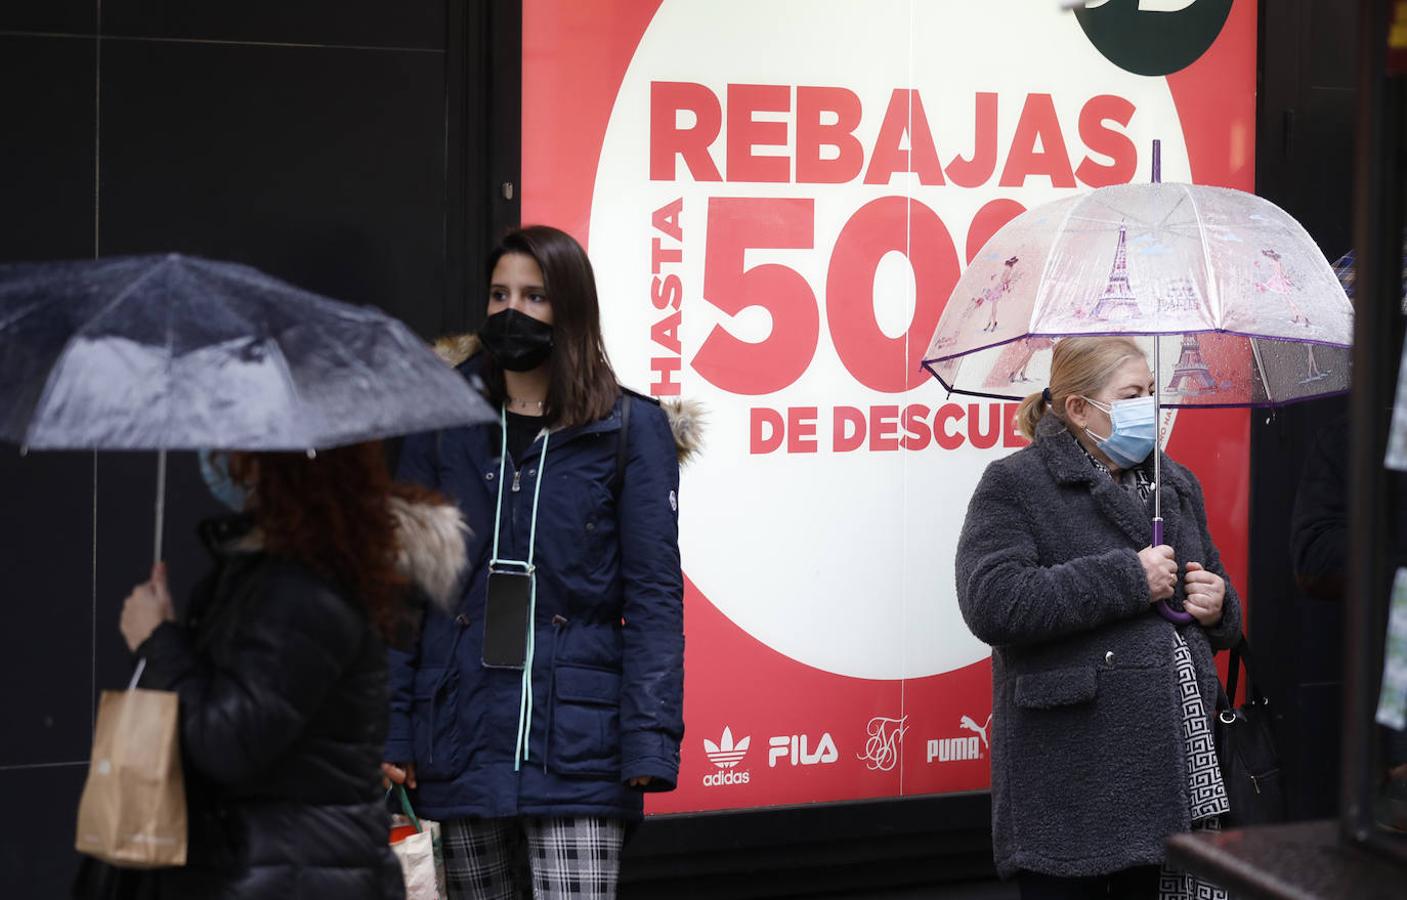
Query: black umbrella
(178, 353)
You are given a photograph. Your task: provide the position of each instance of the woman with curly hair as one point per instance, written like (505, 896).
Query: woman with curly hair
(280, 667)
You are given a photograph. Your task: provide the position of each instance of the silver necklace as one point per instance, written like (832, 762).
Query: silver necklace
(539, 405)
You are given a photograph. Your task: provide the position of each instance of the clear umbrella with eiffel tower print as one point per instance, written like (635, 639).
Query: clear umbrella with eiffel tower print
(1252, 311)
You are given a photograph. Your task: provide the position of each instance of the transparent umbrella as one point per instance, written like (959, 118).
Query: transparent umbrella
(1238, 303)
(178, 353)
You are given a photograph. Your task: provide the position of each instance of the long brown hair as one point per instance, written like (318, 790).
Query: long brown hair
(1079, 367)
(583, 386)
(331, 513)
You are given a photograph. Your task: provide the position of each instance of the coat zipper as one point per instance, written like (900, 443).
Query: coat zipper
(513, 506)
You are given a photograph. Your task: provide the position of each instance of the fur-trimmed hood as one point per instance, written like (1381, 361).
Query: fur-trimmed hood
(431, 552)
(687, 418)
(432, 547)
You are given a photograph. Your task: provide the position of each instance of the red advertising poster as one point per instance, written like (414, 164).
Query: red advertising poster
(778, 197)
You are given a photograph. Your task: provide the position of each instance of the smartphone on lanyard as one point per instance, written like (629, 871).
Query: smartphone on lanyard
(506, 619)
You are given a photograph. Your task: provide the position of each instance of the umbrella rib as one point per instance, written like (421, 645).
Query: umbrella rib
(1122, 214)
(126, 292)
(254, 278)
(1045, 269)
(23, 313)
(287, 374)
(107, 307)
(1213, 291)
(1163, 222)
(1260, 367)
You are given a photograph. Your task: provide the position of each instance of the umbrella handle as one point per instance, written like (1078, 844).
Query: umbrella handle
(1177, 617)
(157, 541)
(1172, 615)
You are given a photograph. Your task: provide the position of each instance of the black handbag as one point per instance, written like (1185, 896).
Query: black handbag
(1245, 745)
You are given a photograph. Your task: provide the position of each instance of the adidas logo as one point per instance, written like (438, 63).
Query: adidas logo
(725, 755)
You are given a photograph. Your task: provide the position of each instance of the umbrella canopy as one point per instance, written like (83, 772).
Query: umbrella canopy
(1346, 268)
(1260, 317)
(172, 352)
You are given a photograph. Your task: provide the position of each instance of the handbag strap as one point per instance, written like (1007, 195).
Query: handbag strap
(1241, 657)
(406, 807)
(1233, 669)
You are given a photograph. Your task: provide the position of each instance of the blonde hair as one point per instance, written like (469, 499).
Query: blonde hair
(1079, 367)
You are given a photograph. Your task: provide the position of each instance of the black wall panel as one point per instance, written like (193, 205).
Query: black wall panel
(49, 16)
(47, 147)
(35, 859)
(1304, 163)
(356, 23)
(46, 642)
(322, 166)
(311, 139)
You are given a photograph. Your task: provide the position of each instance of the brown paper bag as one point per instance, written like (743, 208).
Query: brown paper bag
(133, 810)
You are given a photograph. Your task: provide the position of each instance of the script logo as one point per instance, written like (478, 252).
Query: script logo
(882, 749)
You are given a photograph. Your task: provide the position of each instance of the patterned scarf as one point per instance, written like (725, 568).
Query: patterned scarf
(1206, 793)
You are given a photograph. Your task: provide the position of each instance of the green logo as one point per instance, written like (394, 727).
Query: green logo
(1153, 37)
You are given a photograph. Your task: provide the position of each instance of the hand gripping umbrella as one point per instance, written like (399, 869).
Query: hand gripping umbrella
(178, 353)
(1258, 315)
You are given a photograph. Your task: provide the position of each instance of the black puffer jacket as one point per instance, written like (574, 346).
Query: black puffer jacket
(282, 685)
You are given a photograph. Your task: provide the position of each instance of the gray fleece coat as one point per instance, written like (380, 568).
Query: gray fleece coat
(1088, 768)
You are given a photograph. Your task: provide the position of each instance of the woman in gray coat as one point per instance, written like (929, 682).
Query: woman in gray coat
(1101, 739)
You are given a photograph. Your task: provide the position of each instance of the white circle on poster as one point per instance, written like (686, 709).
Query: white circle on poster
(842, 560)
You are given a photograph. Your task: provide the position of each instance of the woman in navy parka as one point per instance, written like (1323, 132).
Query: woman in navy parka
(559, 750)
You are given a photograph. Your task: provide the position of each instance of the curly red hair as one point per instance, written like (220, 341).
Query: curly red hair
(331, 513)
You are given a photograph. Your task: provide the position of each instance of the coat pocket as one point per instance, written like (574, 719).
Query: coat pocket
(440, 751)
(584, 738)
(1057, 687)
(1091, 764)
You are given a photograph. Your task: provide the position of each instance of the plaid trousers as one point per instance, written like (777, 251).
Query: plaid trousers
(570, 857)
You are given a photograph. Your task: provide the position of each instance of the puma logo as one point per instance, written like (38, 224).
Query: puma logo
(980, 730)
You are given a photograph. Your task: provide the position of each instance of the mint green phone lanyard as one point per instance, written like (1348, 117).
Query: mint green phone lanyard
(525, 700)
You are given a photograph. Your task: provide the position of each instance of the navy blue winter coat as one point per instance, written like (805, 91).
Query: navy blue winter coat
(608, 675)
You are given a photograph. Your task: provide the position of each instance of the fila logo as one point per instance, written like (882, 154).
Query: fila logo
(725, 756)
(961, 749)
(795, 748)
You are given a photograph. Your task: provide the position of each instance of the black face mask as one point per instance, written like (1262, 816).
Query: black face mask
(516, 341)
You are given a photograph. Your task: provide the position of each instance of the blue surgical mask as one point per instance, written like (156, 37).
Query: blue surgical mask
(215, 469)
(1134, 433)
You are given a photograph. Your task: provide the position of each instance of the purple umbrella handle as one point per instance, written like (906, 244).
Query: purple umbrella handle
(1167, 612)
(1172, 615)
